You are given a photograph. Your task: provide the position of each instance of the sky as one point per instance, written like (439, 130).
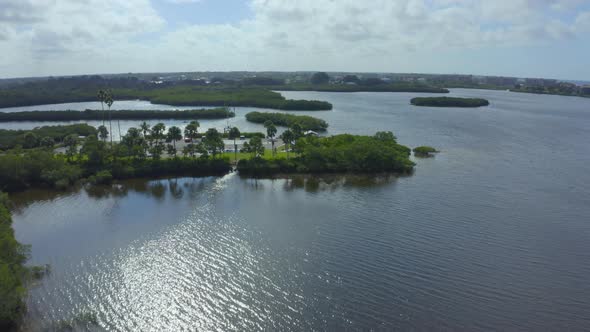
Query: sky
(524, 38)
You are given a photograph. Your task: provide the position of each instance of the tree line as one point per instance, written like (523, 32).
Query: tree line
(288, 120)
(70, 115)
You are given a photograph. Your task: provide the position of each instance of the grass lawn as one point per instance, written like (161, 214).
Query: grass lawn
(267, 154)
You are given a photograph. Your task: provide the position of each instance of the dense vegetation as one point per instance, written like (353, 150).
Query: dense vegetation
(424, 151)
(12, 272)
(288, 120)
(79, 89)
(217, 113)
(35, 137)
(340, 153)
(449, 102)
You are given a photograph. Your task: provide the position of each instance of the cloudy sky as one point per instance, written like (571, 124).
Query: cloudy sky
(528, 38)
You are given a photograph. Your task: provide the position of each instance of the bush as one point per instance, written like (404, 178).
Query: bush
(424, 151)
(102, 177)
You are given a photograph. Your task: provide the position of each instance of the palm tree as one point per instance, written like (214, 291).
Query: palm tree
(103, 133)
(109, 101)
(234, 134)
(287, 137)
(145, 128)
(191, 130)
(158, 131)
(101, 97)
(174, 134)
(271, 131)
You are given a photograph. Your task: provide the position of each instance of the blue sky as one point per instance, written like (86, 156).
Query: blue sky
(525, 38)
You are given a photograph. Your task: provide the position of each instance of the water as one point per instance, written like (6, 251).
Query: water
(491, 234)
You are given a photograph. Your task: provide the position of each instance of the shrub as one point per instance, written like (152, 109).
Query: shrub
(424, 151)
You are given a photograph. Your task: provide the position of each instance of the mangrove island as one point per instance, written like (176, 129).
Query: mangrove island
(449, 102)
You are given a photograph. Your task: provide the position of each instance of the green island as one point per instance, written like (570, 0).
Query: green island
(343, 153)
(386, 87)
(288, 120)
(216, 113)
(83, 89)
(449, 102)
(424, 151)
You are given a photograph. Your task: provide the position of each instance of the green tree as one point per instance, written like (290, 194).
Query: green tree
(174, 134)
(47, 142)
(108, 99)
(95, 151)
(271, 131)
(71, 144)
(320, 78)
(171, 150)
(255, 146)
(145, 129)
(156, 150)
(297, 131)
(234, 134)
(102, 95)
(31, 140)
(158, 132)
(191, 130)
(287, 138)
(103, 133)
(213, 142)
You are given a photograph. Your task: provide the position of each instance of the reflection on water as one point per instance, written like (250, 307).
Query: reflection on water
(191, 263)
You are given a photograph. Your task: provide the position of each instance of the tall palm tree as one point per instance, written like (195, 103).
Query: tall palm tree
(101, 97)
(145, 128)
(271, 131)
(174, 134)
(109, 101)
(191, 130)
(287, 137)
(234, 134)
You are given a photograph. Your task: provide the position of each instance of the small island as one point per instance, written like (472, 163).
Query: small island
(424, 151)
(449, 102)
(288, 120)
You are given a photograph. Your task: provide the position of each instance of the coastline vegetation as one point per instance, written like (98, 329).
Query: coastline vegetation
(449, 102)
(12, 270)
(69, 115)
(288, 120)
(46, 136)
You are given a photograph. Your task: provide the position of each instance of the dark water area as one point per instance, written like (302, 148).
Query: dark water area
(493, 233)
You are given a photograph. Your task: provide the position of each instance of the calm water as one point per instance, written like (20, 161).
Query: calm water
(491, 234)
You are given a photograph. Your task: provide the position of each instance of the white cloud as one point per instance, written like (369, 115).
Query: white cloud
(182, 1)
(52, 37)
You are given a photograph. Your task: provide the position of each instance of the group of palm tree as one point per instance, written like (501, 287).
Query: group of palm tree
(106, 97)
(151, 139)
